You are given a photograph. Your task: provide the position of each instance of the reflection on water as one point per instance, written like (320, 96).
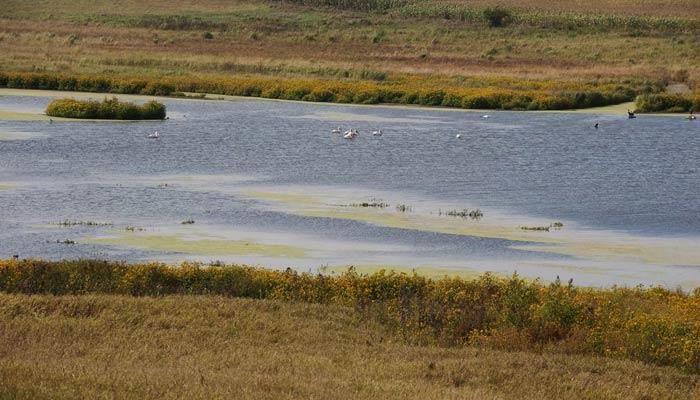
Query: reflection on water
(267, 183)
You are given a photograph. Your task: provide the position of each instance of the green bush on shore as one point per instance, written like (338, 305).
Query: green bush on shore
(652, 325)
(107, 109)
(668, 102)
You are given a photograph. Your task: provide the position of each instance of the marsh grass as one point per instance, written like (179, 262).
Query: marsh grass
(196, 347)
(652, 325)
(492, 93)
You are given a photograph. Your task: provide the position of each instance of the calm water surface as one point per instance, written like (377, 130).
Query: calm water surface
(247, 171)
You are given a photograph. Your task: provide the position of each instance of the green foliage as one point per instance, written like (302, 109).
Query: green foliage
(107, 109)
(652, 325)
(497, 17)
(668, 102)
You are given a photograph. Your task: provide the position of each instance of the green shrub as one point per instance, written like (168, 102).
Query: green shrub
(668, 102)
(107, 109)
(497, 16)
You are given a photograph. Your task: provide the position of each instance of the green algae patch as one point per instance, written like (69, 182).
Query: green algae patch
(284, 198)
(655, 252)
(21, 116)
(306, 205)
(620, 109)
(583, 245)
(215, 247)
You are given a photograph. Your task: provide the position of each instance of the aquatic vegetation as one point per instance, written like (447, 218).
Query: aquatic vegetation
(652, 325)
(66, 241)
(555, 225)
(134, 229)
(403, 208)
(372, 203)
(187, 222)
(107, 109)
(69, 222)
(535, 228)
(463, 213)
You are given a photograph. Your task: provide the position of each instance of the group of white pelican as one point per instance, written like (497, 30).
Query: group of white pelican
(353, 133)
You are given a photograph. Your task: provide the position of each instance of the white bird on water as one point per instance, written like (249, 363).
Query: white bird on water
(377, 132)
(350, 134)
(336, 130)
(485, 116)
(459, 136)
(154, 135)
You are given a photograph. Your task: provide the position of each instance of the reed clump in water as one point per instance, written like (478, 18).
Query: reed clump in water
(68, 222)
(403, 208)
(463, 213)
(372, 203)
(106, 109)
(653, 325)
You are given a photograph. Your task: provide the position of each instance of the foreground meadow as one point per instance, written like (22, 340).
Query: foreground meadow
(183, 346)
(655, 325)
(556, 55)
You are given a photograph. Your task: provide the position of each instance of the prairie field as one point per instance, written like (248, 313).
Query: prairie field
(110, 346)
(435, 45)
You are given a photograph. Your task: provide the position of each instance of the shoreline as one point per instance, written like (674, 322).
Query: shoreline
(9, 92)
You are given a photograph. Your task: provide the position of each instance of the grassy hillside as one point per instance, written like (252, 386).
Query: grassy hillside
(106, 346)
(635, 45)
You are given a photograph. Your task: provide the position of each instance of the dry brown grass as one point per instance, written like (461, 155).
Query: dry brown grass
(212, 347)
(92, 37)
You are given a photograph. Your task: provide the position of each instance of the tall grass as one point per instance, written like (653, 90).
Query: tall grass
(358, 5)
(552, 19)
(653, 325)
(107, 109)
(482, 93)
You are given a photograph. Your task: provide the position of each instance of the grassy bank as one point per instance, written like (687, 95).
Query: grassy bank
(106, 109)
(493, 93)
(107, 346)
(554, 55)
(655, 326)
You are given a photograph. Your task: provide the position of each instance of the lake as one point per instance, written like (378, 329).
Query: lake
(267, 183)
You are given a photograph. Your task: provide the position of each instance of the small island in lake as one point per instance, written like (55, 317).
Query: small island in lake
(107, 109)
